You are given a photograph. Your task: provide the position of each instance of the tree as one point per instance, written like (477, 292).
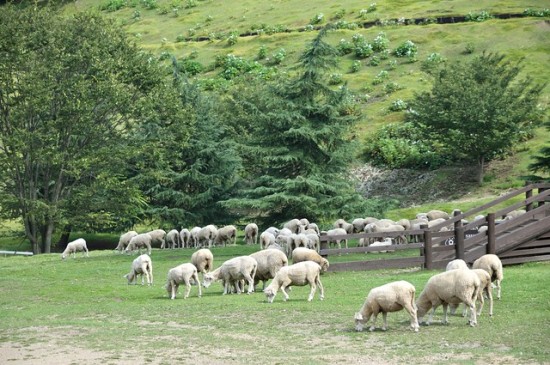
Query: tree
(478, 110)
(71, 90)
(298, 148)
(542, 161)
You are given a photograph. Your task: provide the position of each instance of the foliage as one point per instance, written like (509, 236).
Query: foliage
(406, 49)
(71, 91)
(542, 160)
(478, 110)
(478, 16)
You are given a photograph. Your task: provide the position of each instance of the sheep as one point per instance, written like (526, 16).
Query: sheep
(304, 222)
(358, 224)
(142, 265)
(294, 225)
(391, 297)
(266, 239)
(456, 264)
(251, 234)
(337, 232)
(273, 230)
(182, 274)
(449, 287)
(300, 254)
(172, 239)
(138, 242)
(492, 264)
(314, 242)
(388, 241)
(314, 227)
(185, 238)
(269, 262)
(231, 272)
(385, 227)
(73, 247)
(298, 240)
(194, 237)
(514, 214)
(207, 235)
(435, 214)
(341, 223)
(227, 234)
(300, 274)
(124, 240)
(157, 237)
(203, 260)
(486, 288)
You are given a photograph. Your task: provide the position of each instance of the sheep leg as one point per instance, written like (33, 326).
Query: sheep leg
(250, 281)
(481, 301)
(490, 297)
(283, 287)
(498, 289)
(431, 316)
(313, 287)
(174, 289)
(196, 277)
(412, 312)
(445, 319)
(385, 317)
(321, 289)
(187, 288)
(374, 318)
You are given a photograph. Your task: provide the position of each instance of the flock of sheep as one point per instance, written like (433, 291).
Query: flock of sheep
(299, 240)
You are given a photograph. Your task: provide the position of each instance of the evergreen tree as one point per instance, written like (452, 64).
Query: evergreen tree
(542, 160)
(299, 149)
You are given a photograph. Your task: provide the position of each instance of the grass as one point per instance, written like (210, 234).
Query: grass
(88, 298)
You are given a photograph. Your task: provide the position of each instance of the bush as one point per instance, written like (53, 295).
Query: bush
(478, 17)
(406, 49)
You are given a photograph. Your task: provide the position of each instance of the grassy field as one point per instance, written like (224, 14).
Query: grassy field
(82, 311)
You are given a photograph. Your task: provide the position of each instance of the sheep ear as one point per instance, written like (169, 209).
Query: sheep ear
(358, 317)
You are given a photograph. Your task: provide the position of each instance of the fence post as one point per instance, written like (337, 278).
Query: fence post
(323, 245)
(528, 194)
(428, 264)
(491, 239)
(459, 242)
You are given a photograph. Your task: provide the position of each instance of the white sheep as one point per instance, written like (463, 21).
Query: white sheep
(138, 242)
(314, 241)
(266, 239)
(203, 259)
(341, 223)
(269, 262)
(486, 288)
(294, 225)
(436, 214)
(75, 246)
(514, 214)
(492, 264)
(378, 227)
(142, 265)
(157, 237)
(359, 224)
(300, 274)
(183, 273)
(300, 254)
(449, 287)
(172, 239)
(273, 230)
(227, 234)
(336, 232)
(232, 272)
(388, 241)
(251, 234)
(124, 240)
(456, 264)
(185, 238)
(194, 237)
(314, 227)
(391, 297)
(207, 235)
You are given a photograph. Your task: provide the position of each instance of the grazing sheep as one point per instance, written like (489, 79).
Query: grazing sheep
(142, 265)
(266, 239)
(378, 227)
(124, 240)
(227, 234)
(194, 237)
(185, 238)
(300, 274)
(232, 272)
(182, 274)
(203, 260)
(300, 254)
(207, 235)
(436, 214)
(294, 225)
(269, 262)
(138, 242)
(337, 241)
(449, 287)
(157, 237)
(456, 264)
(486, 288)
(391, 297)
(75, 246)
(172, 239)
(251, 234)
(341, 223)
(492, 264)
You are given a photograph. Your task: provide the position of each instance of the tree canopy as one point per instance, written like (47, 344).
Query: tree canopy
(478, 110)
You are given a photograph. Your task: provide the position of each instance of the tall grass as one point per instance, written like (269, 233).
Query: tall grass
(85, 302)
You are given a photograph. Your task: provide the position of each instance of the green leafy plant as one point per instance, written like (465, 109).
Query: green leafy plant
(406, 49)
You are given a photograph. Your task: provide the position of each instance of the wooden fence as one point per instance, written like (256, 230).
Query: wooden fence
(522, 239)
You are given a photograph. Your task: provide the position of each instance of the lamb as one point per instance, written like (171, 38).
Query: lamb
(269, 262)
(138, 242)
(203, 260)
(449, 287)
(227, 234)
(492, 264)
(124, 240)
(337, 232)
(251, 234)
(300, 274)
(232, 272)
(182, 274)
(207, 235)
(391, 297)
(185, 238)
(142, 265)
(75, 246)
(157, 237)
(266, 239)
(172, 239)
(300, 254)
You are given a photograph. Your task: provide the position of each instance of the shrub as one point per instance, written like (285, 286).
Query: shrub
(538, 13)
(344, 47)
(363, 50)
(262, 52)
(112, 5)
(406, 49)
(355, 66)
(380, 43)
(335, 79)
(317, 19)
(279, 57)
(398, 105)
(478, 17)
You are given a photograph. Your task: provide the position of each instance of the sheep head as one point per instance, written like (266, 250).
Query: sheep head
(359, 322)
(270, 294)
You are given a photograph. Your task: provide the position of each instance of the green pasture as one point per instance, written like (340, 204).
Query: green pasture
(86, 302)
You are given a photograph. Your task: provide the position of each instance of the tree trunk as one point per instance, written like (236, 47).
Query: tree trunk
(64, 239)
(481, 167)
